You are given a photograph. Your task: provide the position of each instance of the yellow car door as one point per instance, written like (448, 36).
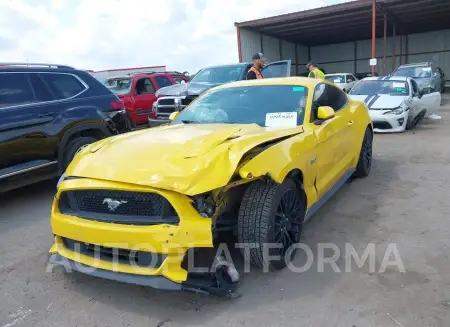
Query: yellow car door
(334, 156)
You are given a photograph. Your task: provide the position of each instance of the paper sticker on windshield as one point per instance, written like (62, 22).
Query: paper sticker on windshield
(298, 89)
(398, 85)
(426, 69)
(337, 80)
(281, 119)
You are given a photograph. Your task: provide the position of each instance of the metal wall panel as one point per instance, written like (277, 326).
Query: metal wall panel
(333, 52)
(364, 48)
(302, 54)
(429, 42)
(271, 48)
(288, 51)
(250, 44)
(364, 67)
(339, 67)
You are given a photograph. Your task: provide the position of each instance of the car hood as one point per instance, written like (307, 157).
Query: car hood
(381, 101)
(185, 89)
(189, 159)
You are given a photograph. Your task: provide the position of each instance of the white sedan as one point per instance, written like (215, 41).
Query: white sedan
(344, 81)
(395, 103)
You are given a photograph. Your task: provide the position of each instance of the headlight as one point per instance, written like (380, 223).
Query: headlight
(60, 180)
(396, 111)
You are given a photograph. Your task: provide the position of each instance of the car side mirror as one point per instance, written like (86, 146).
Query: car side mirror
(420, 94)
(173, 115)
(325, 113)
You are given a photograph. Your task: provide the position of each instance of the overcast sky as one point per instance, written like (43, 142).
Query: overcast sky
(106, 34)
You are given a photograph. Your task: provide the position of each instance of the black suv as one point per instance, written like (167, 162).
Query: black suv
(47, 113)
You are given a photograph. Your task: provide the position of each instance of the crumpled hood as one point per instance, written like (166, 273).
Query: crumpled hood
(189, 159)
(382, 101)
(185, 89)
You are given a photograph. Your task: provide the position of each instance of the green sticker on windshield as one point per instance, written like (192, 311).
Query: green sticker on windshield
(398, 89)
(298, 89)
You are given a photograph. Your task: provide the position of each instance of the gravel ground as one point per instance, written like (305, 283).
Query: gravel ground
(404, 201)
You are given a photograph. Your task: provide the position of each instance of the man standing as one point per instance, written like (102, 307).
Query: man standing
(258, 62)
(314, 72)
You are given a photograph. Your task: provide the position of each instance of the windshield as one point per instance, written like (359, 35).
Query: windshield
(335, 78)
(414, 72)
(373, 87)
(218, 75)
(119, 85)
(267, 106)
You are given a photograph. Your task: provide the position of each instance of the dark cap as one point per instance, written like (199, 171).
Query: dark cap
(259, 56)
(310, 64)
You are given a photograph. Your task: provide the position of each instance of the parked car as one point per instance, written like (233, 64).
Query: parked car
(360, 76)
(256, 157)
(426, 74)
(48, 113)
(396, 103)
(176, 97)
(137, 91)
(344, 81)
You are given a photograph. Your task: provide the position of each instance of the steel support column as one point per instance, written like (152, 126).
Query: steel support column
(394, 35)
(385, 45)
(238, 31)
(374, 31)
(401, 49)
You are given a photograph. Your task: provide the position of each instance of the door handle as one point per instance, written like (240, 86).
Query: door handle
(350, 122)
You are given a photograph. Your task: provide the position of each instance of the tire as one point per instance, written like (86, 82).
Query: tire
(260, 221)
(73, 147)
(365, 156)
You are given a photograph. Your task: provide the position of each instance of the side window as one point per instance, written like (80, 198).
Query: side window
(350, 78)
(63, 86)
(40, 89)
(333, 97)
(415, 89)
(162, 81)
(144, 86)
(15, 89)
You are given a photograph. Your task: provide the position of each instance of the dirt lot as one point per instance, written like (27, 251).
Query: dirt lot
(404, 201)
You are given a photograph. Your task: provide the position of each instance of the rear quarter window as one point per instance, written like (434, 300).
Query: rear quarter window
(15, 89)
(63, 86)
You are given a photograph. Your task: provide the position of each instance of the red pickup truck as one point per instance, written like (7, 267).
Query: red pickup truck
(137, 91)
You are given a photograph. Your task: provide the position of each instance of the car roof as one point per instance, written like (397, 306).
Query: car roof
(334, 74)
(386, 78)
(243, 64)
(417, 64)
(21, 69)
(295, 80)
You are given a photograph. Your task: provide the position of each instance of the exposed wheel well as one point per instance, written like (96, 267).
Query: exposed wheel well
(297, 176)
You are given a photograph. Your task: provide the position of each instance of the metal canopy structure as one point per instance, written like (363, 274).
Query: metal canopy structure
(352, 21)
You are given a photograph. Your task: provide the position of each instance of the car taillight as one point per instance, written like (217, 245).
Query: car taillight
(118, 104)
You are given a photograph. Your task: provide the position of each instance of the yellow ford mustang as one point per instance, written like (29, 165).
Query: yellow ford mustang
(256, 158)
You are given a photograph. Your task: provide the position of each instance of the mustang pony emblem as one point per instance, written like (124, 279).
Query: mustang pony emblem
(113, 204)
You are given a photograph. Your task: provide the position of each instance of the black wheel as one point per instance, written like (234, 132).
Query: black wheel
(365, 156)
(73, 147)
(270, 213)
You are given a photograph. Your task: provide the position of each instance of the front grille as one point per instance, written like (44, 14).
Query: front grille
(119, 255)
(166, 102)
(382, 125)
(118, 207)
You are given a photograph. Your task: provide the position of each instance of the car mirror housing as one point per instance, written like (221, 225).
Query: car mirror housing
(173, 115)
(325, 112)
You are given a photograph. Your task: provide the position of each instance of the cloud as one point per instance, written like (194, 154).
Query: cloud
(104, 34)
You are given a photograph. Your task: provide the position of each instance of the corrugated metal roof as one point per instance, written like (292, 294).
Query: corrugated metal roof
(350, 21)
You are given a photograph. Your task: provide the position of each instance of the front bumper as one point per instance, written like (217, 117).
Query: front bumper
(158, 282)
(388, 123)
(172, 242)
